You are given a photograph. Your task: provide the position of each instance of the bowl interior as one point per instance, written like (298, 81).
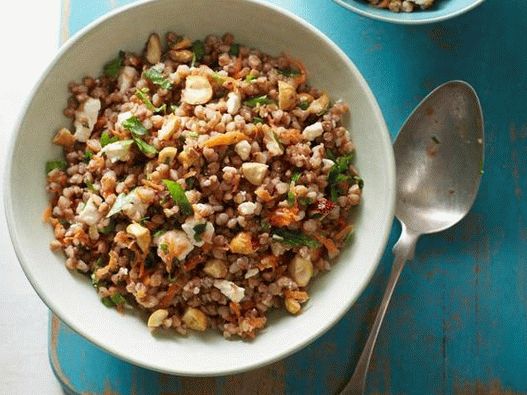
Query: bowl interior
(443, 9)
(71, 296)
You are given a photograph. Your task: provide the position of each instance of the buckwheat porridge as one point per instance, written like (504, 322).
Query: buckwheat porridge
(203, 182)
(403, 5)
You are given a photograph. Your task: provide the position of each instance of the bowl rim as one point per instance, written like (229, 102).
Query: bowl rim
(394, 19)
(225, 370)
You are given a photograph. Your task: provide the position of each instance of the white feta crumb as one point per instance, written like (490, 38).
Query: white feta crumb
(85, 119)
(118, 151)
(254, 172)
(234, 102)
(247, 208)
(192, 225)
(230, 290)
(272, 144)
(243, 149)
(90, 213)
(173, 244)
(313, 131)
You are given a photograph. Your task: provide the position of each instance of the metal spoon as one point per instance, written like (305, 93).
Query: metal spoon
(439, 156)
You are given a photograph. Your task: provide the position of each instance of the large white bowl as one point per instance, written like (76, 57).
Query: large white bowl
(72, 298)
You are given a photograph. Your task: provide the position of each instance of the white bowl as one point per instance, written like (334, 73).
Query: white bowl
(72, 298)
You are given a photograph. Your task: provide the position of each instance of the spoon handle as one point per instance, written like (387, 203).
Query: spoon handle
(403, 251)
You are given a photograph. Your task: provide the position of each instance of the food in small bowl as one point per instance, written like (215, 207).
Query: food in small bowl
(72, 298)
(402, 5)
(204, 182)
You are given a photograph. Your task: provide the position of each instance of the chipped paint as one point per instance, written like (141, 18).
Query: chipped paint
(53, 354)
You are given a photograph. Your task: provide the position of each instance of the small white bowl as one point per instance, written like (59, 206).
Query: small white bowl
(71, 297)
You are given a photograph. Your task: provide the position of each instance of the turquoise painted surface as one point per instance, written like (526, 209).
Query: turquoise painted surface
(458, 319)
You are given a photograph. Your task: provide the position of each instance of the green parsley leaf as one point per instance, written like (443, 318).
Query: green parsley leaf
(118, 299)
(143, 220)
(258, 101)
(220, 79)
(198, 50)
(190, 182)
(155, 76)
(107, 301)
(303, 105)
(250, 77)
(90, 186)
(337, 174)
(87, 156)
(99, 262)
(142, 94)
(106, 139)
(304, 201)
(111, 69)
(331, 155)
(134, 125)
(107, 229)
(294, 238)
(145, 148)
(265, 225)
(289, 72)
(56, 164)
(178, 195)
(234, 50)
(159, 233)
(296, 176)
(198, 231)
(173, 108)
(257, 120)
(359, 181)
(164, 248)
(291, 198)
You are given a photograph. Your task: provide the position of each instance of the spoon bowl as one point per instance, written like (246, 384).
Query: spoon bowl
(439, 159)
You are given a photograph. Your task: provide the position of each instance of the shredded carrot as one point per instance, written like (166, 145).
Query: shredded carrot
(235, 309)
(225, 139)
(46, 215)
(191, 263)
(329, 244)
(172, 290)
(343, 232)
(263, 194)
(283, 216)
(141, 269)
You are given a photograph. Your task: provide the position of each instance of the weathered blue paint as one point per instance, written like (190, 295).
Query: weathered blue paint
(458, 319)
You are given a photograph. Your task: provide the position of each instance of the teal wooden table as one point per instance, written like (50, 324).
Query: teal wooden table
(458, 320)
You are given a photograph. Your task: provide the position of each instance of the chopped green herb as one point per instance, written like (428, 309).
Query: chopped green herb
(193, 135)
(99, 262)
(296, 176)
(173, 108)
(436, 140)
(250, 77)
(64, 222)
(118, 299)
(349, 237)
(121, 201)
(106, 139)
(257, 120)
(198, 231)
(337, 174)
(90, 186)
(111, 69)
(258, 101)
(142, 94)
(359, 181)
(178, 195)
(198, 51)
(87, 156)
(159, 233)
(107, 301)
(134, 125)
(265, 225)
(220, 79)
(275, 136)
(155, 76)
(303, 105)
(145, 148)
(143, 220)
(164, 248)
(108, 228)
(234, 50)
(94, 281)
(331, 155)
(304, 201)
(55, 164)
(190, 182)
(289, 72)
(295, 238)
(291, 198)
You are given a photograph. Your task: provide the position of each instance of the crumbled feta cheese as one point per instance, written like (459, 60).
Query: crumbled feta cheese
(230, 290)
(135, 208)
(247, 208)
(118, 151)
(123, 116)
(126, 78)
(243, 149)
(190, 227)
(272, 144)
(254, 172)
(313, 131)
(90, 213)
(173, 244)
(85, 119)
(234, 102)
(251, 272)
